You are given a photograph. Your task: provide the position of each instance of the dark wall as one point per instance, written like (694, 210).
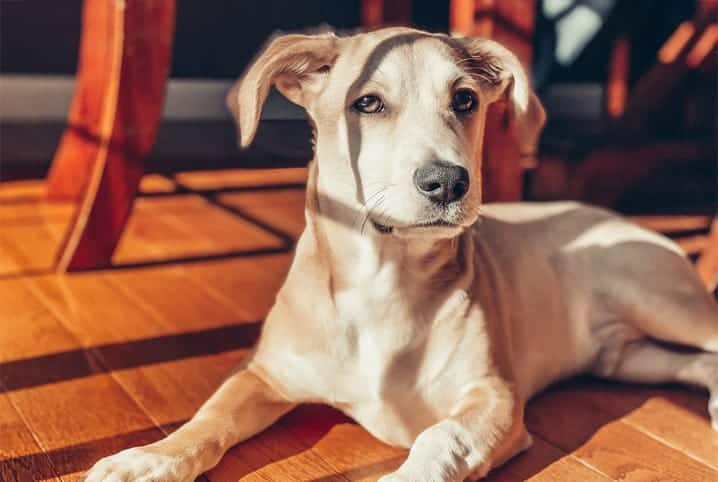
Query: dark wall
(214, 39)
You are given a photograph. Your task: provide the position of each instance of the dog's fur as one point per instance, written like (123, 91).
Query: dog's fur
(434, 336)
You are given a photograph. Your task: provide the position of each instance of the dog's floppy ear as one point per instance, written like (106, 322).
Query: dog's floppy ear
(524, 116)
(295, 64)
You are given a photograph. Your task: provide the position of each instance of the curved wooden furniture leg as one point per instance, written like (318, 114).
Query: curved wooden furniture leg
(707, 264)
(380, 13)
(124, 64)
(512, 24)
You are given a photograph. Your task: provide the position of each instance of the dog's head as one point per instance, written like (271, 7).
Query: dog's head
(399, 117)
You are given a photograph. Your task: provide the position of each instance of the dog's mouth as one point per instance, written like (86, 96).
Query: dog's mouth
(438, 223)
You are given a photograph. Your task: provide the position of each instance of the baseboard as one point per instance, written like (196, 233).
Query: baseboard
(195, 127)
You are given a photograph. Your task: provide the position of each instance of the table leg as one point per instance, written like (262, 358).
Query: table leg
(123, 68)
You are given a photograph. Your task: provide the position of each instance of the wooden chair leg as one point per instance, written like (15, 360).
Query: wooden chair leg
(379, 13)
(707, 264)
(512, 24)
(124, 63)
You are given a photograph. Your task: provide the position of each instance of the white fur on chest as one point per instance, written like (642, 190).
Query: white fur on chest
(403, 366)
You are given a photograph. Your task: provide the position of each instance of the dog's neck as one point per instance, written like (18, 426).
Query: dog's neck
(351, 255)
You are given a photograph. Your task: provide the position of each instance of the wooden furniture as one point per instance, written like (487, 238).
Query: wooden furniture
(123, 66)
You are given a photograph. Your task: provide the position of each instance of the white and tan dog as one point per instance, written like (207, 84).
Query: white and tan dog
(429, 328)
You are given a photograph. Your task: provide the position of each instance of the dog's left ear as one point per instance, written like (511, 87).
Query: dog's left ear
(295, 64)
(524, 115)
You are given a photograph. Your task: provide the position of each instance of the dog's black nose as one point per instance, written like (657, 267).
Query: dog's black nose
(442, 182)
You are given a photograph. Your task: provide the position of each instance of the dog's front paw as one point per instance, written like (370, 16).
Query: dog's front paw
(140, 465)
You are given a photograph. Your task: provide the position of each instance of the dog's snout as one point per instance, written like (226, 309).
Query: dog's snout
(442, 182)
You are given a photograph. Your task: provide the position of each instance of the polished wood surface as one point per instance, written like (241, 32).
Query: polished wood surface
(91, 363)
(124, 63)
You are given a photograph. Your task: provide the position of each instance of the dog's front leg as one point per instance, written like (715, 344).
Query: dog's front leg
(244, 405)
(485, 430)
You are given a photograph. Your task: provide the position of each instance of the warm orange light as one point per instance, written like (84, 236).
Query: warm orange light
(462, 17)
(703, 47)
(618, 79)
(673, 46)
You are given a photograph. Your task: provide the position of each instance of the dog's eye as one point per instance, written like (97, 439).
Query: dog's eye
(368, 104)
(463, 101)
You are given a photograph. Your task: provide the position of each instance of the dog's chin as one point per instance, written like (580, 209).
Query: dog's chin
(428, 230)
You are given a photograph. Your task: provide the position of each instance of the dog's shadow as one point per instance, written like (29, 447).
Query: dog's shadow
(314, 440)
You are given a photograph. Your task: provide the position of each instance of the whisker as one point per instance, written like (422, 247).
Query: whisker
(366, 218)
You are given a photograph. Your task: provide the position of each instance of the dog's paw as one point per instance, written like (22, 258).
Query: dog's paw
(140, 465)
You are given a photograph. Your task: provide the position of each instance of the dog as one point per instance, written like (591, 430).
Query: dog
(426, 316)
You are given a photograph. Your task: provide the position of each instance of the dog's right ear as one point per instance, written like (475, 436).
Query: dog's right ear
(297, 65)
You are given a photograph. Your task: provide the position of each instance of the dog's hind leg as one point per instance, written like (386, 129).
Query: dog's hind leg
(663, 297)
(644, 361)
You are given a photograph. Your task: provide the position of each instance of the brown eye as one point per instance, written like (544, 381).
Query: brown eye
(464, 101)
(368, 104)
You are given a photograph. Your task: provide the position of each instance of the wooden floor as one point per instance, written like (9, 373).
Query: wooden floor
(96, 362)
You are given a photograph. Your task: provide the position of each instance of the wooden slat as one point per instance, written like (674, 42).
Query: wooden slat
(249, 284)
(26, 212)
(156, 183)
(569, 469)
(621, 452)
(173, 227)
(536, 459)
(677, 427)
(238, 178)
(51, 409)
(282, 209)
(18, 442)
(31, 247)
(24, 189)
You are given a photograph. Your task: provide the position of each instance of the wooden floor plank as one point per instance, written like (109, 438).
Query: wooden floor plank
(569, 469)
(120, 326)
(61, 412)
(11, 263)
(27, 212)
(675, 416)
(171, 392)
(282, 208)
(21, 458)
(32, 247)
(538, 457)
(249, 284)
(624, 453)
(93, 310)
(238, 178)
(187, 226)
(156, 290)
(678, 427)
(156, 183)
(11, 191)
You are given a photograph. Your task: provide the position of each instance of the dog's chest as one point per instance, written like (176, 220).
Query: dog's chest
(397, 368)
